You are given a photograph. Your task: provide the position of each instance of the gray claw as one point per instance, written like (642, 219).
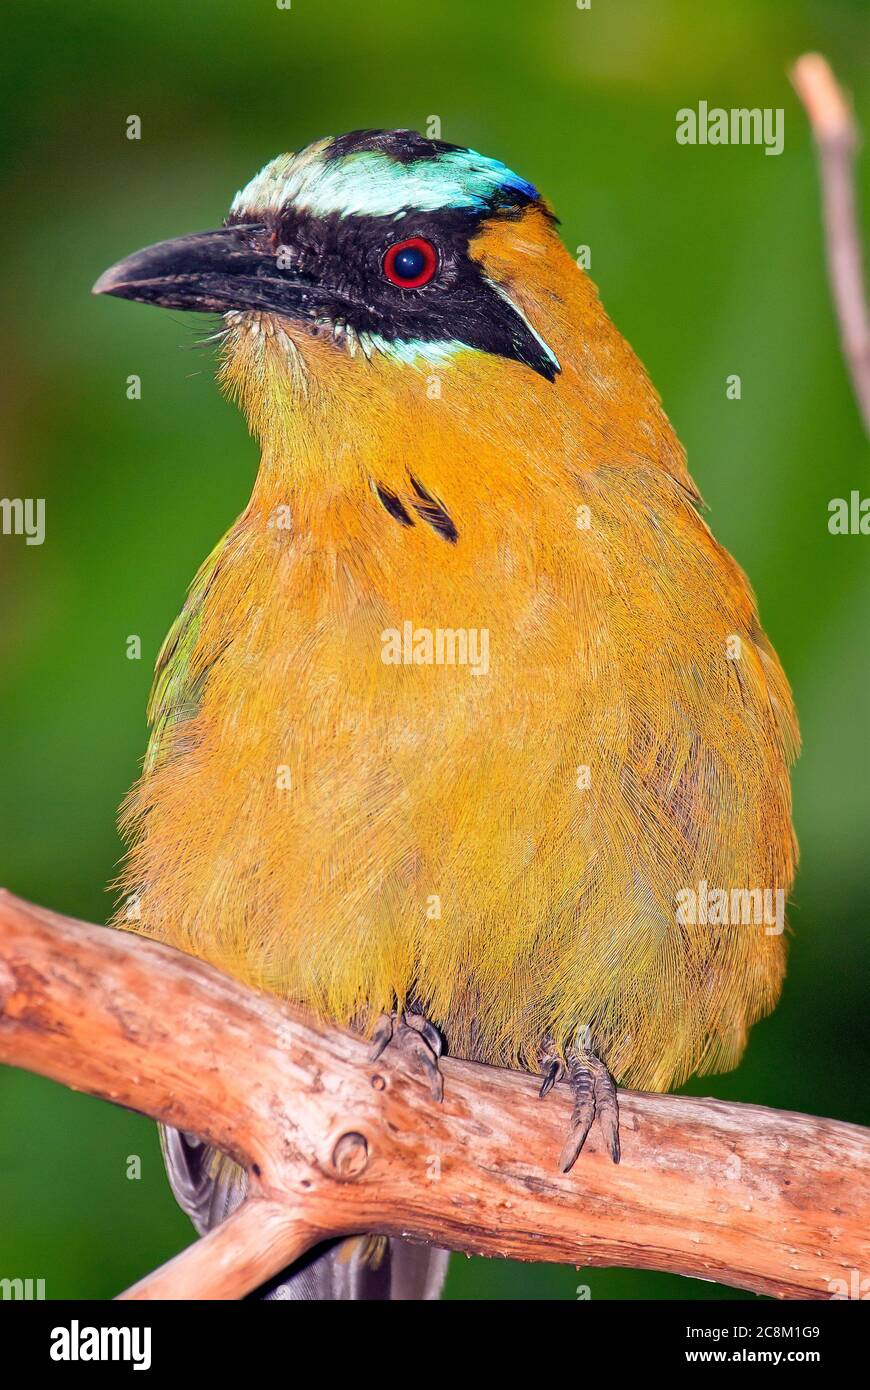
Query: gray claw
(607, 1108)
(594, 1095)
(583, 1086)
(552, 1072)
(427, 1031)
(381, 1036)
(421, 1041)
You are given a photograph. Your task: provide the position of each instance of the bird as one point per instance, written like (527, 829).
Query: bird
(468, 733)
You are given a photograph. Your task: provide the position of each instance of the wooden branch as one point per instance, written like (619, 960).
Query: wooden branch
(760, 1199)
(836, 137)
(259, 1238)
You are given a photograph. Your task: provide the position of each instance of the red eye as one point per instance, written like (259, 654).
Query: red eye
(411, 263)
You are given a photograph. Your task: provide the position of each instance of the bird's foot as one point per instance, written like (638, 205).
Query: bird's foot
(594, 1096)
(420, 1041)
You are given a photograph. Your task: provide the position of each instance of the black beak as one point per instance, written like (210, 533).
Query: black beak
(207, 272)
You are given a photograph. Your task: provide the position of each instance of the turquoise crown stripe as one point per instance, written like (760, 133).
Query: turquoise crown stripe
(371, 183)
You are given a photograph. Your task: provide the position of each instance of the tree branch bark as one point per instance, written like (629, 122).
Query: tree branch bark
(836, 137)
(334, 1145)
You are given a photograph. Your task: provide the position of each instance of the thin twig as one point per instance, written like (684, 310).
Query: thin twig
(335, 1145)
(836, 137)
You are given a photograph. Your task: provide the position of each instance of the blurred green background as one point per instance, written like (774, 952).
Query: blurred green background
(709, 259)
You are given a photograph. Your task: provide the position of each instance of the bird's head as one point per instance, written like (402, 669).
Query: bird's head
(377, 240)
(356, 271)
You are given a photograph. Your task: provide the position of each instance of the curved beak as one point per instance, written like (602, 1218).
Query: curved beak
(232, 268)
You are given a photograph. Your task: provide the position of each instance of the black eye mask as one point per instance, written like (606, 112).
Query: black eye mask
(339, 260)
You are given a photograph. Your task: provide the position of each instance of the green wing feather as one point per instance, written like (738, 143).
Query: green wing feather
(176, 691)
